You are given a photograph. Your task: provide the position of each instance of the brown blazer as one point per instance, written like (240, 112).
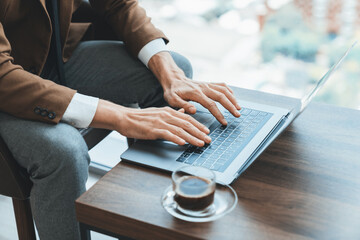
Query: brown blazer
(25, 33)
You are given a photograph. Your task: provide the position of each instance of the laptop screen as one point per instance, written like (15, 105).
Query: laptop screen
(308, 97)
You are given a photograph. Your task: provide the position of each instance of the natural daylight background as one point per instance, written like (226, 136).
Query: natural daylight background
(277, 46)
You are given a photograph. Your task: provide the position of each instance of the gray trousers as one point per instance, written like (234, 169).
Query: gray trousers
(56, 156)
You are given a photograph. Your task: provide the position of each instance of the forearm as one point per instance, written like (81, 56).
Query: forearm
(162, 65)
(108, 115)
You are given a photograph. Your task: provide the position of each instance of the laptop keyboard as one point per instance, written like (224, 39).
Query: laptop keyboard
(227, 141)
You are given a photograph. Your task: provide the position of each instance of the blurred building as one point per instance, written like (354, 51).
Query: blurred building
(333, 16)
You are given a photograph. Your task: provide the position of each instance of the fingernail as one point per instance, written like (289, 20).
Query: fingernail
(201, 143)
(237, 114)
(208, 139)
(207, 130)
(224, 122)
(192, 109)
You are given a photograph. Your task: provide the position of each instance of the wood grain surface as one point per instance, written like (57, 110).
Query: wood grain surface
(306, 185)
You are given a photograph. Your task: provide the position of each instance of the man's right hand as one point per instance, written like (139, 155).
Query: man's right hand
(151, 123)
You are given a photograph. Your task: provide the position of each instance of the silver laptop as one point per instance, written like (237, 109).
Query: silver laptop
(235, 146)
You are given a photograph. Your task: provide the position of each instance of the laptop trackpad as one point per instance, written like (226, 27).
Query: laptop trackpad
(153, 153)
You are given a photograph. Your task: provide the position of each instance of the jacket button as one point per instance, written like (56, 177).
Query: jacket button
(37, 110)
(44, 112)
(51, 115)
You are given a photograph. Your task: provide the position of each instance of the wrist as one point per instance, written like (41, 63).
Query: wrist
(108, 115)
(165, 69)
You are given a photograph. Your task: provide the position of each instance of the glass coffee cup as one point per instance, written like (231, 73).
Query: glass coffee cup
(194, 189)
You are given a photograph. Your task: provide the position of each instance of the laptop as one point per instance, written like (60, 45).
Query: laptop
(236, 146)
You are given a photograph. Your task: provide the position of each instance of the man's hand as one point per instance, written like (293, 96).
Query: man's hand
(151, 123)
(178, 89)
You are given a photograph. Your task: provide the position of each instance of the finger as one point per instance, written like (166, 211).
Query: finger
(226, 86)
(211, 106)
(177, 101)
(178, 131)
(169, 136)
(193, 121)
(181, 110)
(227, 93)
(223, 100)
(190, 128)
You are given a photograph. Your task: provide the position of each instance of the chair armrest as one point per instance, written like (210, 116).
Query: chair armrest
(15, 181)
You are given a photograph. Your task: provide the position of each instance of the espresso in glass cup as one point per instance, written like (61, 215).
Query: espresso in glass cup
(194, 188)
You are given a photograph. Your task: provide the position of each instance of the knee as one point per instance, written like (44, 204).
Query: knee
(183, 63)
(65, 154)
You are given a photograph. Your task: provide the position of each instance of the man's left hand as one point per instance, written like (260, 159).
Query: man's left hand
(178, 89)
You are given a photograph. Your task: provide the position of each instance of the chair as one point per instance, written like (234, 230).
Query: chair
(15, 183)
(14, 180)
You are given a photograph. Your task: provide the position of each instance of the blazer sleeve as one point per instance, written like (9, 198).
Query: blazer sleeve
(129, 22)
(26, 95)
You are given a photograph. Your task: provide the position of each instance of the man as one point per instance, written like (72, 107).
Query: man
(39, 117)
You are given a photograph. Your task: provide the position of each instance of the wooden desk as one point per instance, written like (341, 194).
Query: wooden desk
(306, 185)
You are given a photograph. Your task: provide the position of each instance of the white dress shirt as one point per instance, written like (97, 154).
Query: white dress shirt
(82, 108)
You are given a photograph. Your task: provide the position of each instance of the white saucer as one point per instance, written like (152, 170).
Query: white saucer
(225, 200)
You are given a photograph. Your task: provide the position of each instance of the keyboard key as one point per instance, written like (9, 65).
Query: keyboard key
(216, 143)
(200, 151)
(206, 155)
(239, 140)
(246, 122)
(210, 151)
(262, 113)
(230, 151)
(207, 165)
(212, 160)
(232, 137)
(218, 131)
(214, 135)
(226, 144)
(191, 159)
(197, 164)
(216, 167)
(232, 127)
(190, 149)
(185, 155)
(200, 160)
(224, 135)
(217, 153)
(245, 111)
(257, 120)
(222, 160)
(239, 120)
(237, 131)
(181, 159)
(254, 113)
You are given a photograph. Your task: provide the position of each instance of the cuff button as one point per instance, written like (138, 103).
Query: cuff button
(37, 110)
(44, 113)
(51, 115)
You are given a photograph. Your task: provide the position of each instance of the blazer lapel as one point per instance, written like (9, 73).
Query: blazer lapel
(65, 13)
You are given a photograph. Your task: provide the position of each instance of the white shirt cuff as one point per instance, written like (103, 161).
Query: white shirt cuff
(80, 111)
(150, 49)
